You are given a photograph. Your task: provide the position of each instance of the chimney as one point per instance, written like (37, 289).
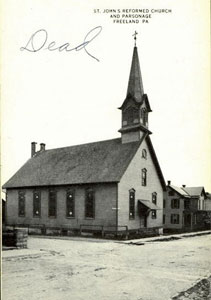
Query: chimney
(42, 147)
(33, 148)
(183, 185)
(169, 182)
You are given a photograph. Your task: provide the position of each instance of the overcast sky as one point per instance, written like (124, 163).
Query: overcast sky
(67, 98)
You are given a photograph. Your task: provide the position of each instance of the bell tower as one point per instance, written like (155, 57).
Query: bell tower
(136, 107)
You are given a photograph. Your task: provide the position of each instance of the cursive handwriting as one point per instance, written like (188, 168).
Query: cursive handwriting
(39, 40)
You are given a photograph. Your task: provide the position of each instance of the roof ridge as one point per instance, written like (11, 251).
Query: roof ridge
(77, 145)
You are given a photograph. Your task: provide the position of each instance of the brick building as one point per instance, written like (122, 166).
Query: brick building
(109, 185)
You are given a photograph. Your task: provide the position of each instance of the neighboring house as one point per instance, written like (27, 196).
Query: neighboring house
(184, 208)
(107, 185)
(208, 201)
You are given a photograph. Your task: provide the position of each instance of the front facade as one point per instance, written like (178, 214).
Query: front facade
(184, 209)
(111, 185)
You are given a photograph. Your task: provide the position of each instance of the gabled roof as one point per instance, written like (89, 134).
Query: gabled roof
(135, 84)
(97, 162)
(194, 191)
(179, 190)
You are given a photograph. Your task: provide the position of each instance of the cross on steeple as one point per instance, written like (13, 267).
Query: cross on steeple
(135, 37)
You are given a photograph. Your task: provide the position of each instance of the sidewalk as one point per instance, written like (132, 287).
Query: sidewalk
(165, 238)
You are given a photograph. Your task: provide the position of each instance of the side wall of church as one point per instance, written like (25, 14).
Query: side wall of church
(132, 179)
(105, 201)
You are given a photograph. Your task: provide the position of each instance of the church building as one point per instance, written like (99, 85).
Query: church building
(113, 185)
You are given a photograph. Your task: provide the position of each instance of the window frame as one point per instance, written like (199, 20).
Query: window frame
(21, 196)
(175, 219)
(144, 116)
(186, 203)
(144, 153)
(38, 193)
(55, 206)
(70, 192)
(164, 219)
(90, 190)
(132, 204)
(154, 198)
(144, 177)
(175, 203)
(154, 214)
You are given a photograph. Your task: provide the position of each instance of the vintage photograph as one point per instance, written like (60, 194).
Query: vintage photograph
(105, 150)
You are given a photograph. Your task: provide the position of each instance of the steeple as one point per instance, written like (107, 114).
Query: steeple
(135, 107)
(135, 84)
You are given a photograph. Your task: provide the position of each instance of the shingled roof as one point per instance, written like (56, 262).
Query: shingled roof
(97, 162)
(194, 191)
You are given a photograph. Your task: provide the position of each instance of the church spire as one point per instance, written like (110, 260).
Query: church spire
(135, 107)
(135, 84)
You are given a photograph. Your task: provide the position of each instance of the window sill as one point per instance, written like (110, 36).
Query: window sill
(70, 217)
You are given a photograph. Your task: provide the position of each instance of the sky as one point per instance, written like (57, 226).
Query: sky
(65, 98)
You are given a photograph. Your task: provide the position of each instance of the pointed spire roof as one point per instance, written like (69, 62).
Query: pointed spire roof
(135, 84)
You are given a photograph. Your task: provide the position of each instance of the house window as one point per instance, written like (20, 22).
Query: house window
(154, 214)
(154, 198)
(164, 219)
(174, 219)
(171, 193)
(186, 204)
(89, 204)
(175, 203)
(36, 204)
(70, 204)
(144, 177)
(52, 203)
(132, 204)
(164, 203)
(21, 204)
(144, 153)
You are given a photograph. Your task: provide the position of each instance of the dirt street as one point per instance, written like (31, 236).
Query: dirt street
(79, 268)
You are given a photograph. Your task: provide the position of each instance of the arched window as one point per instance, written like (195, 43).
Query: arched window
(144, 153)
(132, 204)
(154, 198)
(144, 116)
(144, 177)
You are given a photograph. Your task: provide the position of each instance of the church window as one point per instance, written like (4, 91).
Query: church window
(52, 203)
(154, 214)
(36, 203)
(70, 204)
(144, 116)
(132, 204)
(21, 204)
(164, 203)
(154, 198)
(174, 219)
(175, 203)
(144, 153)
(90, 204)
(144, 177)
